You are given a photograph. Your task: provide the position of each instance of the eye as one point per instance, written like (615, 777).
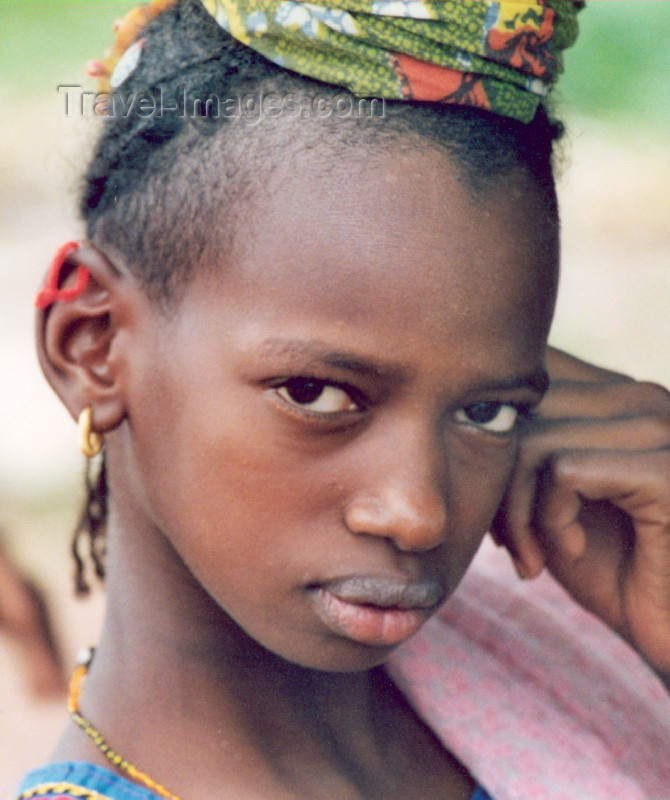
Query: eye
(490, 416)
(317, 396)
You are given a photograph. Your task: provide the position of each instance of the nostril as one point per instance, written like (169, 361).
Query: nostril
(417, 524)
(420, 536)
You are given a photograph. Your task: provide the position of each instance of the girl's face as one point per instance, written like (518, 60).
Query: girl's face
(325, 427)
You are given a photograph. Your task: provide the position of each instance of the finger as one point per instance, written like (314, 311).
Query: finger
(563, 366)
(515, 525)
(556, 514)
(543, 436)
(626, 399)
(637, 483)
(512, 527)
(622, 573)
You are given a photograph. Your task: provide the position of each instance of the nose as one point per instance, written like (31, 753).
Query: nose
(402, 496)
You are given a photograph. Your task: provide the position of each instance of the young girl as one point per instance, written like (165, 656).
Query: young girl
(315, 350)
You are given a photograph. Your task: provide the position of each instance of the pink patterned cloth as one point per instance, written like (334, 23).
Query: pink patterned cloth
(534, 695)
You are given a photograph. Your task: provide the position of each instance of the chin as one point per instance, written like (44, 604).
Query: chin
(341, 656)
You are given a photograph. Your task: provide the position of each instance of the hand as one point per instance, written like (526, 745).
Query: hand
(590, 499)
(24, 617)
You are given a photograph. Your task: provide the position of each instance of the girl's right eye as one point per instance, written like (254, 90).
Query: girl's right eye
(317, 396)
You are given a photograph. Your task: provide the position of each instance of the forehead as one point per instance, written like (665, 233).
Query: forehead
(403, 233)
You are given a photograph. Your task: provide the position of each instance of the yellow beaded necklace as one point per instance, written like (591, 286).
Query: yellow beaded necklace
(80, 672)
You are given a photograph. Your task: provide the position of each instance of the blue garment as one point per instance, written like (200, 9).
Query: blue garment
(54, 779)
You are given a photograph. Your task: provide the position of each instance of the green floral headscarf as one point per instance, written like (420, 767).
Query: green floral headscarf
(501, 55)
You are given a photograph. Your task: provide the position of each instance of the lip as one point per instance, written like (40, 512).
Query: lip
(374, 610)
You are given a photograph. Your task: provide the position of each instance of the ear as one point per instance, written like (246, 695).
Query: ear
(75, 338)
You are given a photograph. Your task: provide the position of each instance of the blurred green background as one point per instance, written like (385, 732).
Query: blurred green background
(619, 65)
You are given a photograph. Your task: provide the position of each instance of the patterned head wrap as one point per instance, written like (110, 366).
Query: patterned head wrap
(500, 55)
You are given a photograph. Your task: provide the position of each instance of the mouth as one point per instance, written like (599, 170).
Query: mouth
(376, 611)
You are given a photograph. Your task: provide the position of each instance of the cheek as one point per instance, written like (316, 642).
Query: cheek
(226, 485)
(478, 487)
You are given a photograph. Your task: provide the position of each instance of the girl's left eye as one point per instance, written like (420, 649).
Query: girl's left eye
(315, 395)
(491, 416)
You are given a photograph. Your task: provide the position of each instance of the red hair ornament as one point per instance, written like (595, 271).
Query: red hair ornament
(52, 293)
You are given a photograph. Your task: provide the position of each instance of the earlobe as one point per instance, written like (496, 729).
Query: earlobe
(80, 316)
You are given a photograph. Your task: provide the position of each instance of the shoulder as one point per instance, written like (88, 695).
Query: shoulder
(78, 780)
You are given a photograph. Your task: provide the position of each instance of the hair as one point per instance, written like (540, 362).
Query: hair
(151, 178)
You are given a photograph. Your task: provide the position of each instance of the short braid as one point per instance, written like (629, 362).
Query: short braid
(91, 528)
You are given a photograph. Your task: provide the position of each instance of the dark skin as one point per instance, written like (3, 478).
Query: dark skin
(590, 500)
(241, 490)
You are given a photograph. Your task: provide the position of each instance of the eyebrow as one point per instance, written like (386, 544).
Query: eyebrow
(537, 381)
(304, 352)
(311, 350)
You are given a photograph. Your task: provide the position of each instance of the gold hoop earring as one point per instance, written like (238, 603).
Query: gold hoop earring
(90, 442)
